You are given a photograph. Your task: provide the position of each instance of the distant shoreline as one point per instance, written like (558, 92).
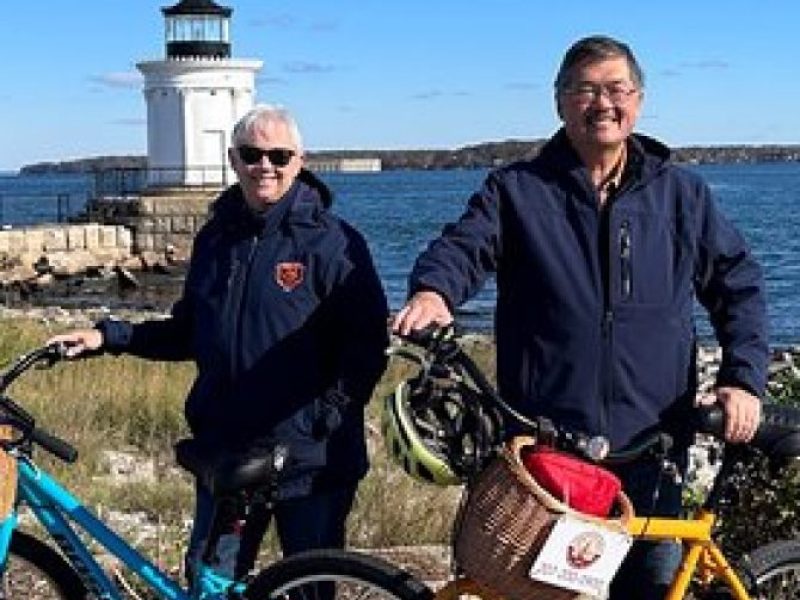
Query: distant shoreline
(484, 155)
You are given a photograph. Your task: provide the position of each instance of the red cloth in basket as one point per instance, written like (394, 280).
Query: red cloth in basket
(581, 485)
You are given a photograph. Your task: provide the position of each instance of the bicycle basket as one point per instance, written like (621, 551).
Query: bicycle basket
(504, 522)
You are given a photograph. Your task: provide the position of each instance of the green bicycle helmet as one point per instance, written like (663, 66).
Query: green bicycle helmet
(435, 430)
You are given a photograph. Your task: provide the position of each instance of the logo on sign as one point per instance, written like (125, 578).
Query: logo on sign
(585, 549)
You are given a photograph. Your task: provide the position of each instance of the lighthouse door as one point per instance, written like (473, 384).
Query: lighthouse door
(212, 159)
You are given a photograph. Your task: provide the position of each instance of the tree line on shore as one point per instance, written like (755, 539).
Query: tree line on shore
(483, 155)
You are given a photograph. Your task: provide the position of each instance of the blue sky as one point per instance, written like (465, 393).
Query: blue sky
(374, 74)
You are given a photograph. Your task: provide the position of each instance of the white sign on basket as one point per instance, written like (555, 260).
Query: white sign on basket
(581, 556)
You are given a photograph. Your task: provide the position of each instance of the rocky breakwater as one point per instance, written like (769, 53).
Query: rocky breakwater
(83, 264)
(67, 249)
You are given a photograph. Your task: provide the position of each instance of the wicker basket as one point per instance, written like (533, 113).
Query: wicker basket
(504, 522)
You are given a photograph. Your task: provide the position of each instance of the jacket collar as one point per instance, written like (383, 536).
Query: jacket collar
(646, 156)
(305, 201)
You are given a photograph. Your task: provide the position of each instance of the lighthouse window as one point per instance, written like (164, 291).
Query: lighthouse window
(213, 29)
(181, 30)
(197, 29)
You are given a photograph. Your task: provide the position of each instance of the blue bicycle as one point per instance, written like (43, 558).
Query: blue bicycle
(32, 569)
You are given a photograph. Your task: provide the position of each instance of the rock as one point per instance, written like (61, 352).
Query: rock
(128, 467)
(42, 266)
(125, 279)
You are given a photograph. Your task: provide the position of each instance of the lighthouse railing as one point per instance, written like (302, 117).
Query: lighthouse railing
(132, 181)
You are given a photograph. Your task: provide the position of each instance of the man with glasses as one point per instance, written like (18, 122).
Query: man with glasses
(285, 317)
(600, 245)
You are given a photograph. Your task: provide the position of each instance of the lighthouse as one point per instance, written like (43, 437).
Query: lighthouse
(194, 96)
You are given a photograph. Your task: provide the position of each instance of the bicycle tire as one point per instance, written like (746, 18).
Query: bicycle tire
(35, 571)
(353, 574)
(770, 572)
(775, 570)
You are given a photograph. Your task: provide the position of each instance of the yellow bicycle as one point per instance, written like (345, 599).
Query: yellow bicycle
(507, 519)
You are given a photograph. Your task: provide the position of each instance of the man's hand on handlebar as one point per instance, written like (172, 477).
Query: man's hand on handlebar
(422, 309)
(78, 342)
(742, 412)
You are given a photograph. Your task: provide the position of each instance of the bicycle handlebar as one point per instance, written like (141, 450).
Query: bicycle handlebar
(19, 419)
(437, 351)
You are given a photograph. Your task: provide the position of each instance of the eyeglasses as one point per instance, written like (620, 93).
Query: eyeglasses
(617, 91)
(278, 157)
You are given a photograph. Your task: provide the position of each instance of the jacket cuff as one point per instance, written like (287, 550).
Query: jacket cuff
(116, 334)
(424, 287)
(743, 380)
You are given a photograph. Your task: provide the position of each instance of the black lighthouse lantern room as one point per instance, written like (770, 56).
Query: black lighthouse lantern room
(197, 29)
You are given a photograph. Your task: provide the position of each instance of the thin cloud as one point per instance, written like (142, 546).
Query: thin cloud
(118, 80)
(521, 86)
(669, 73)
(706, 65)
(287, 21)
(270, 81)
(307, 68)
(323, 26)
(130, 122)
(434, 94)
(429, 95)
(278, 21)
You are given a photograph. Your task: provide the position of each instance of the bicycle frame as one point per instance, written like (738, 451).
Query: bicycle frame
(701, 554)
(54, 507)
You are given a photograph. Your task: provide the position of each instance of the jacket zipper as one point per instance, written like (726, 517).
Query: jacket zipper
(606, 364)
(240, 275)
(625, 259)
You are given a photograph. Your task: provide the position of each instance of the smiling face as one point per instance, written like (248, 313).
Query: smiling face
(599, 105)
(264, 183)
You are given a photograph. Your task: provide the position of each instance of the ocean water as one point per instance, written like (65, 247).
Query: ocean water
(42, 198)
(399, 212)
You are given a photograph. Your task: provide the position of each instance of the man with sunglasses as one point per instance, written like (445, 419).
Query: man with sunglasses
(600, 245)
(285, 317)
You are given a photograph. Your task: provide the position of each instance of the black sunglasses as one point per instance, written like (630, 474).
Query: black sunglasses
(278, 157)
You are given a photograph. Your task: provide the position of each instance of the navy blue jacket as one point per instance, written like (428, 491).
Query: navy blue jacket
(594, 320)
(285, 317)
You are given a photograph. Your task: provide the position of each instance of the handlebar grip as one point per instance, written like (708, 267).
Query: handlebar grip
(430, 335)
(54, 445)
(711, 420)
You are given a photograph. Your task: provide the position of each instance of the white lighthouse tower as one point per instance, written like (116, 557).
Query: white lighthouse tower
(194, 96)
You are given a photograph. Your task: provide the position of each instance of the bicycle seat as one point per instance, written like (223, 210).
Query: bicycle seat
(778, 435)
(224, 473)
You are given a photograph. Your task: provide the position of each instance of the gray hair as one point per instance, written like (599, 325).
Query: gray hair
(264, 113)
(595, 48)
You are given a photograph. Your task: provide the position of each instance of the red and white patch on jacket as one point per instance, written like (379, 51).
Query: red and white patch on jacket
(289, 275)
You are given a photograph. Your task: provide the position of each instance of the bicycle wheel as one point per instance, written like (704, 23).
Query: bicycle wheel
(35, 571)
(339, 574)
(775, 568)
(770, 572)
